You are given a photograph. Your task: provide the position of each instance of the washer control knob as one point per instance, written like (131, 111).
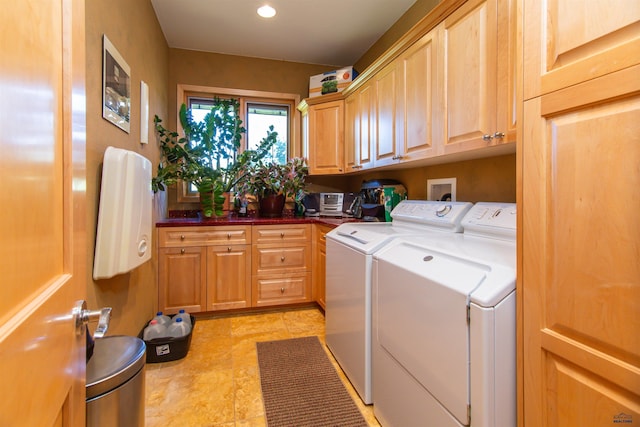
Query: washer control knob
(442, 210)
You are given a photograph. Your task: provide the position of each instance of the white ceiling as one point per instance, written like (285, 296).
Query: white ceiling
(328, 32)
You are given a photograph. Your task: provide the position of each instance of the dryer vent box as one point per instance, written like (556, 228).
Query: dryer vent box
(123, 239)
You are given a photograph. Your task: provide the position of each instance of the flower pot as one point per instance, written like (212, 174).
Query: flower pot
(207, 200)
(271, 206)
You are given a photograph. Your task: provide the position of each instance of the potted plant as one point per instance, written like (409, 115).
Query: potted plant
(273, 183)
(207, 155)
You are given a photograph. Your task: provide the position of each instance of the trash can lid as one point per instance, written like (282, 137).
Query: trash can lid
(115, 360)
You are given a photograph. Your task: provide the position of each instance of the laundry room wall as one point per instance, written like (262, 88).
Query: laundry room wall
(133, 29)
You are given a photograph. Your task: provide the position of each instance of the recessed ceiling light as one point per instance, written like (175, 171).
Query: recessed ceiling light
(266, 11)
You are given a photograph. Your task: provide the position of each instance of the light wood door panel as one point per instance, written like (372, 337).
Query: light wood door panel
(567, 43)
(470, 43)
(182, 279)
(420, 99)
(387, 111)
(367, 104)
(228, 277)
(326, 138)
(351, 133)
(581, 245)
(42, 171)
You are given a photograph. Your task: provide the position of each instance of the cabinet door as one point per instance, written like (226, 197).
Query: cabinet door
(326, 138)
(351, 133)
(182, 279)
(367, 116)
(470, 42)
(568, 43)
(387, 110)
(320, 262)
(228, 277)
(580, 279)
(419, 98)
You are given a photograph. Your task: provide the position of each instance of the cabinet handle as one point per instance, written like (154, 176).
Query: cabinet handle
(182, 251)
(182, 237)
(487, 137)
(356, 167)
(229, 249)
(282, 258)
(282, 235)
(282, 290)
(396, 158)
(498, 135)
(228, 235)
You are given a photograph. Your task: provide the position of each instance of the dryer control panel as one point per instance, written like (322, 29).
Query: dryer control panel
(445, 215)
(497, 220)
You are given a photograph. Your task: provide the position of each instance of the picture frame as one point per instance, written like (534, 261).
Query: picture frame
(116, 86)
(443, 189)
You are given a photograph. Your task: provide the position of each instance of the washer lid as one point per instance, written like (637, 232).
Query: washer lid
(115, 360)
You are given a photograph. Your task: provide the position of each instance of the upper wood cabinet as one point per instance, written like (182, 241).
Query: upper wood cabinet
(565, 44)
(479, 76)
(388, 111)
(362, 128)
(323, 136)
(419, 98)
(351, 132)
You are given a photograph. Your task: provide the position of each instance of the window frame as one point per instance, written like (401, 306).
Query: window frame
(185, 91)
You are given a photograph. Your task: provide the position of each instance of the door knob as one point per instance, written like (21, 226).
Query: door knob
(83, 317)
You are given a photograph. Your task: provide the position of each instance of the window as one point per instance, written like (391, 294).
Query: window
(259, 111)
(259, 118)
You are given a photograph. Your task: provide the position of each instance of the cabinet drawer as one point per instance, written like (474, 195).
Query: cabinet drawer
(203, 236)
(281, 289)
(268, 259)
(291, 233)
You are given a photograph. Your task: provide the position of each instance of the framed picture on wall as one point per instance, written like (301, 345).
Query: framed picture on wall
(116, 86)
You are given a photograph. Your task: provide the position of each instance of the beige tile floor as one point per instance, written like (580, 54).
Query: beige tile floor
(218, 383)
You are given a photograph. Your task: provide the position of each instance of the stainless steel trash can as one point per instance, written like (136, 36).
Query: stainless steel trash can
(115, 383)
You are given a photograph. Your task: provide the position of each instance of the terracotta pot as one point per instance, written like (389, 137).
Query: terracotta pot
(271, 206)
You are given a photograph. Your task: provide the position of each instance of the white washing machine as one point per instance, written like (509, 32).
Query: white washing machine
(350, 248)
(444, 351)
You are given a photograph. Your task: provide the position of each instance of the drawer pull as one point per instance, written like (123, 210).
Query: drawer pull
(282, 235)
(282, 290)
(282, 258)
(229, 249)
(228, 235)
(182, 251)
(182, 237)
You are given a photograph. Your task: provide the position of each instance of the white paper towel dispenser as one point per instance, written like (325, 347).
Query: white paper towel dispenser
(123, 238)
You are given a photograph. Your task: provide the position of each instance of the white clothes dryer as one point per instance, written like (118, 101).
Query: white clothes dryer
(350, 248)
(445, 327)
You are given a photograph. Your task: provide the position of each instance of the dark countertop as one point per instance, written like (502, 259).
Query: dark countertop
(234, 220)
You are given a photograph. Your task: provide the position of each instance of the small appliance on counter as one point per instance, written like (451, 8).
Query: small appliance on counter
(331, 204)
(378, 197)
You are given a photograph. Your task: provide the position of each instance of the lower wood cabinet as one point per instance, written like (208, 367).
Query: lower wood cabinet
(320, 262)
(182, 279)
(229, 267)
(228, 277)
(281, 264)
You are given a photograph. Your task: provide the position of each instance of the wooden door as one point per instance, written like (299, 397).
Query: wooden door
(351, 133)
(566, 44)
(367, 105)
(470, 42)
(228, 277)
(387, 112)
(42, 170)
(326, 138)
(580, 278)
(182, 279)
(420, 97)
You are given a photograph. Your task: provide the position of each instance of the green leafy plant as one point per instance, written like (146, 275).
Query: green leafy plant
(208, 156)
(270, 178)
